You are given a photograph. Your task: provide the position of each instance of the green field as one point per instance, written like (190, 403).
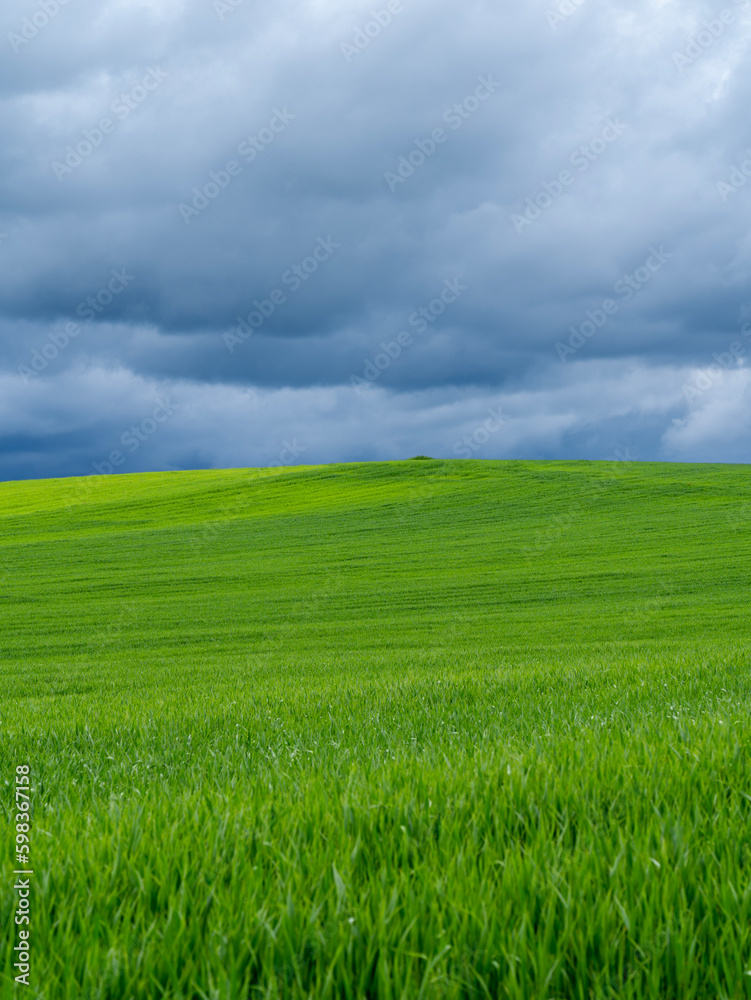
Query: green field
(428, 729)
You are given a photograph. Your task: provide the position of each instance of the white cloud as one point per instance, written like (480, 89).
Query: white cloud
(588, 410)
(718, 427)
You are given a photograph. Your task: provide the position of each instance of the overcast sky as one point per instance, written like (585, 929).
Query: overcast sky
(262, 232)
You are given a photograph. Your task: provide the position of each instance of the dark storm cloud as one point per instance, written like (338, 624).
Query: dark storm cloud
(546, 157)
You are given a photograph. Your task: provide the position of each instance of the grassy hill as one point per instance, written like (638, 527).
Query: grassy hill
(437, 728)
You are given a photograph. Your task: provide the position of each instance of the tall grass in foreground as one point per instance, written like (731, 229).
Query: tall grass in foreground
(397, 831)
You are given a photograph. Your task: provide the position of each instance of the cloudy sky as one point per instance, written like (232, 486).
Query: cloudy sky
(263, 232)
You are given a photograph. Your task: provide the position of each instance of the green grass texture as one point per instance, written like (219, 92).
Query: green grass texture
(384, 731)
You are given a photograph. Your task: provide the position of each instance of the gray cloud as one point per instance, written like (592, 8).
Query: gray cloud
(282, 125)
(110, 420)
